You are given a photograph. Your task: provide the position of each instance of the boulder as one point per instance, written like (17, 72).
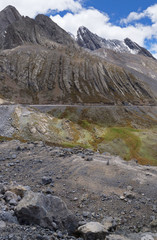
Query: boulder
(45, 210)
(93, 231)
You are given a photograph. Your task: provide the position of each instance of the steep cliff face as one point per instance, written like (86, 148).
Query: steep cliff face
(16, 30)
(89, 40)
(41, 63)
(8, 16)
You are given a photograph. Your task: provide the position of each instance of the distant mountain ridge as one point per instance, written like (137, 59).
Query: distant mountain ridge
(87, 39)
(41, 63)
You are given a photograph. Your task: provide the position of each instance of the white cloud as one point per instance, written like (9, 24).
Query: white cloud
(150, 12)
(90, 18)
(99, 23)
(96, 21)
(133, 16)
(32, 7)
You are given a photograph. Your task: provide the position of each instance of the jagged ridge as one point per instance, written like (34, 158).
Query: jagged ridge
(89, 40)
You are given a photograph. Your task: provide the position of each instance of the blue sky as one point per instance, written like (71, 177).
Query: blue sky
(118, 9)
(111, 19)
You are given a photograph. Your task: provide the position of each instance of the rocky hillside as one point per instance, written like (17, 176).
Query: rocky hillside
(41, 63)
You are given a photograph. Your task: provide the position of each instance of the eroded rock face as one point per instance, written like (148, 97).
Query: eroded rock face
(33, 74)
(46, 211)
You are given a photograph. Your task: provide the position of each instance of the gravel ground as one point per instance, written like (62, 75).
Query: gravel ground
(6, 128)
(92, 185)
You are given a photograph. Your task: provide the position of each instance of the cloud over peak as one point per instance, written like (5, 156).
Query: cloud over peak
(32, 7)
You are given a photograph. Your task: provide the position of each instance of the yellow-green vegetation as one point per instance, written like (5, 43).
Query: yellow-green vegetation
(127, 142)
(127, 135)
(3, 138)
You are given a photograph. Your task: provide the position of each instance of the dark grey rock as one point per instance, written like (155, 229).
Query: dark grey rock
(46, 180)
(140, 50)
(89, 159)
(7, 216)
(37, 208)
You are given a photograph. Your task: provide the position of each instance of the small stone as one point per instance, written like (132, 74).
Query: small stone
(89, 159)
(59, 234)
(46, 180)
(129, 188)
(13, 202)
(153, 224)
(14, 156)
(129, 195)
(122, 197)
(8, 196)
(75, 199)
(2, 224)
(147, 237)
(86, 214)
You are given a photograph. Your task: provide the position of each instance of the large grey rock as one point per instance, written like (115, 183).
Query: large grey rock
(45, 210)
(93, 231)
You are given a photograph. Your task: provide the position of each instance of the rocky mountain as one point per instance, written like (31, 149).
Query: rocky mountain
(17, 30)
(41, 63)
(89, 40)
(8, 16)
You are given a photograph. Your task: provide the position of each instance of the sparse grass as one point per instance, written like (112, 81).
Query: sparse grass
(132, 141)
(125, 141)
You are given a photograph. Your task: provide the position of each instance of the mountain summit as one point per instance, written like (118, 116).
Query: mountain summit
(87, 39)
(16, 30)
